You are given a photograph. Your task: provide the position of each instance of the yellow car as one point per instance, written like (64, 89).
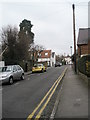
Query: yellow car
(38, 68)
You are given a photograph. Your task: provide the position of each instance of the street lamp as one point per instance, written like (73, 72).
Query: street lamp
(71, 50)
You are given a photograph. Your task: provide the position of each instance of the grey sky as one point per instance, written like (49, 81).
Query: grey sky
(52, 20)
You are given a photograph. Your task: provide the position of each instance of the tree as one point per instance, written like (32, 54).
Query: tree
(23, 46)
(26, 37)
(25, 26)
(35, 51)
(9, 39)
(59, 58)
(16, 44)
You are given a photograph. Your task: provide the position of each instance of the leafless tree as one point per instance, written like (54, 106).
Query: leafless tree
(9, 42)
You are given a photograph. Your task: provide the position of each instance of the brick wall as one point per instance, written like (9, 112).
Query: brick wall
(84, 49)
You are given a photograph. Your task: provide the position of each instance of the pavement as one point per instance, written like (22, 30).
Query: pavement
(72, 99)
(28, 73)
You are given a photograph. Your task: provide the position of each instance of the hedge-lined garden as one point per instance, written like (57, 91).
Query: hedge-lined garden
(84, 65)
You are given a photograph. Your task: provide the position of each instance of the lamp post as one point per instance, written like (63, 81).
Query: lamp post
(71, 50)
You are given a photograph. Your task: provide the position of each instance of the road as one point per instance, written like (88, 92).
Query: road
(20, 99)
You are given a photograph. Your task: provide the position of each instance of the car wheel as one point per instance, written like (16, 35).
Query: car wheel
(42, 70)
(22, 77)
(45, 70)
(10, 80)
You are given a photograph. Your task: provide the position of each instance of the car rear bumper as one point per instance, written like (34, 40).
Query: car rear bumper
(36, 70)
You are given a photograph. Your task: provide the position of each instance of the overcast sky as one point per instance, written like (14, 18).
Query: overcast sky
(52, 20)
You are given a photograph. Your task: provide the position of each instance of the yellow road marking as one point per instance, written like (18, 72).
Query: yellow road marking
(44, 106)
(32, 114)
(40, 112)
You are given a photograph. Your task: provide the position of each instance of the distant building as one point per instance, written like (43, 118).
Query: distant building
(83, 42)
(47, 56)
(68, 60)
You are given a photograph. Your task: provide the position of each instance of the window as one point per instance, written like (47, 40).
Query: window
(14, 68)
(6, 69)
(18, 67)
(39, 54)
(46, 54)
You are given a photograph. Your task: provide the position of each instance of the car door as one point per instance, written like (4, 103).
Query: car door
(19, 70)
(15, 73)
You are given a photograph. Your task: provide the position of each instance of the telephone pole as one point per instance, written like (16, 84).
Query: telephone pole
(74, 34)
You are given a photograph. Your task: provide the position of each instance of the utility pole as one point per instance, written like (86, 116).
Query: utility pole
(75, 65)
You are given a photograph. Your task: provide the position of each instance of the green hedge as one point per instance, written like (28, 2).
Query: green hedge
(84, 65)
(27, 66)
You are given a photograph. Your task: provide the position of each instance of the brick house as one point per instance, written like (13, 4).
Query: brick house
(47, 56)
(83, 42)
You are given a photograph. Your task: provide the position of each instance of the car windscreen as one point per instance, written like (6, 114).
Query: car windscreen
(6, 69)
(38, 65)
(35, 65)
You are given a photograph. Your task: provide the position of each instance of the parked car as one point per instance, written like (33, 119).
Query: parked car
(38, 68)
(58, 64)
(11, 73)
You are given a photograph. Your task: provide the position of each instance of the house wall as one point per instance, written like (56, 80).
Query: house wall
(48, 60)
(53, 60)
(43, 59)
(82, 50)
(46, 56)
(89, 47)
(68, 60)
(2, 63)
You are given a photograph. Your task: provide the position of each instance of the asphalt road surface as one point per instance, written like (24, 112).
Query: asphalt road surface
(20, 99)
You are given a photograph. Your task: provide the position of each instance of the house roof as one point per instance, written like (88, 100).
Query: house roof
(45, 54)
(83, 36)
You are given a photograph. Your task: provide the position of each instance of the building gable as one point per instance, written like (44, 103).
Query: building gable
(45, 54)
(84, 36)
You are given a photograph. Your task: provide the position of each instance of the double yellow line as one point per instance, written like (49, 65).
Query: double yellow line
(53, 88)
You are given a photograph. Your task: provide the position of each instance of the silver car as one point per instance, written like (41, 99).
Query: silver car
(11, 73)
